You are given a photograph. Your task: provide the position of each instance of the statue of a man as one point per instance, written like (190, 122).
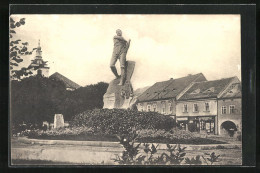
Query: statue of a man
(120, 49)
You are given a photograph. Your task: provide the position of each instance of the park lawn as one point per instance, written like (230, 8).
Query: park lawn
(38, 162)
(113, 138)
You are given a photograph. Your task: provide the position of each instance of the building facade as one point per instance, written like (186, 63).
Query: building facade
(199, 107)
(161, 97)
(230, 111)
(198, 115)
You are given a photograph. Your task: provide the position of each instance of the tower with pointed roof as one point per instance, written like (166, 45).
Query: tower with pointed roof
(38, 66)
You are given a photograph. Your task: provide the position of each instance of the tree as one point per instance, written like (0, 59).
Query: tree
(82, 99)
(17, 50)
(35, 99)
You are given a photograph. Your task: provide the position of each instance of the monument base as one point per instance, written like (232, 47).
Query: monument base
(120, 96)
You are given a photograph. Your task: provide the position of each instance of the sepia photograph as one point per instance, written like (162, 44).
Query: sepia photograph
(125, 89)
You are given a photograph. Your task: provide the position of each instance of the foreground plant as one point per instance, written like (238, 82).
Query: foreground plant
(175, 156)
(212, 158)
(129, 155)
(193, 161)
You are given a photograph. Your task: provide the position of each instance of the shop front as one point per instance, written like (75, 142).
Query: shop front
(207, 124)
(194, 124)
(197, 124)
(182, 122)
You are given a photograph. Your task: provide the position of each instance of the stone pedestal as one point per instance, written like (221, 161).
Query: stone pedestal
(58, 121)
(118, 96)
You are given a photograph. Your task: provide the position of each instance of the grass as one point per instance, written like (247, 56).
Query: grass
(113, 138)
(37, 162)
(195, 141)
(80, 137)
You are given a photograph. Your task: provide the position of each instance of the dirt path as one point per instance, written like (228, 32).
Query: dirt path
(29, 153)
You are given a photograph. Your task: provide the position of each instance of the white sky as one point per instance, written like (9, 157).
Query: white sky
(163, 46)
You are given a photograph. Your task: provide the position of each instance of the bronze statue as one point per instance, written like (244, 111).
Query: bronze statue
(120, 50)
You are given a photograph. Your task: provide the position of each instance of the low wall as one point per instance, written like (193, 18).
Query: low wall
(83, 152)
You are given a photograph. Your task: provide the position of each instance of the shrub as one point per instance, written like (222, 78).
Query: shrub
(176, 154)
(212, 158)
(171, 135)
(60, 132)
(193, 161)
(119, 121)
(220, 147)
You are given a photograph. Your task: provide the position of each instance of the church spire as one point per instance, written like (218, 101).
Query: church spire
(39, 43)
(38, 50)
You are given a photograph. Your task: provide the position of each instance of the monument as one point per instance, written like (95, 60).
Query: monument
(58, 121)
(119, 93)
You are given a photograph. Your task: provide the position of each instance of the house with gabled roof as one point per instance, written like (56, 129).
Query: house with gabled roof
(197, 106)
(70, 85)
(161, 97)
(230, 111)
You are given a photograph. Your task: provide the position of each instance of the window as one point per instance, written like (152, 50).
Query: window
(195, 107)
(223, 110)
(207, 107)
(141, 108)
(148, 108)
(231, 109)
(163, 110)
(202, 125)
(163, 107)
(197, 91)
(232, 86)
(212, 89)
(170, 107)
(154, 107)
(185, 108)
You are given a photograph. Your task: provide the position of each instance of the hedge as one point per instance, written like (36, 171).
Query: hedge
(119, 121)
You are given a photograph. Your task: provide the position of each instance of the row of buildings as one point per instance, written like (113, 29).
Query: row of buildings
(197, 105)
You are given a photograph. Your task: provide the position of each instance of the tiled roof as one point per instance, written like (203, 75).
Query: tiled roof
(139, 91)
(234, 92)
(206, 89)
(67, 82)
(170, 88)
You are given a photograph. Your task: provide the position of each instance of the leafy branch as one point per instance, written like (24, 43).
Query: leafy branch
(17, 49)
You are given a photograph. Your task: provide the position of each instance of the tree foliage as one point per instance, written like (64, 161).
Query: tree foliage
(121, 121)
(175, 155)
(17, 50)
(36, 99)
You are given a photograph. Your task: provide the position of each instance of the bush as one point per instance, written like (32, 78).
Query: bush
(119, 121)
(171, 135)
(133, 155)
(220, 147)
(37, 99)
(61, 132)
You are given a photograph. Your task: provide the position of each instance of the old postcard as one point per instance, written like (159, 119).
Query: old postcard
(125, 89)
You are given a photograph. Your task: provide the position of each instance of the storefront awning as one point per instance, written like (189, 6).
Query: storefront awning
(206, 118)
(182, 118)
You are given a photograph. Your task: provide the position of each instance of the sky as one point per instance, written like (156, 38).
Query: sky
(163, 46)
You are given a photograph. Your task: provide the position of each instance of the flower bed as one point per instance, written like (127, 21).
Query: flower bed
(107, 124)
(144, 136)
(118, 121)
